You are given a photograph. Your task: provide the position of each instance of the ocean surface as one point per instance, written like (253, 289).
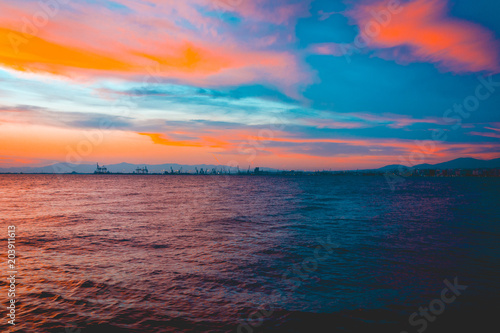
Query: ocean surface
(124, 253)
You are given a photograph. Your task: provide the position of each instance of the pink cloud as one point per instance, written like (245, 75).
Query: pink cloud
(154, 40)
(333, 49)
(494, 129)
(487, 134)
(335, 124)
(395, 120)
(277, 11)
(421, 31)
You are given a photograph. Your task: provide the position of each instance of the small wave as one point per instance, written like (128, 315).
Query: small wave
(160, 246)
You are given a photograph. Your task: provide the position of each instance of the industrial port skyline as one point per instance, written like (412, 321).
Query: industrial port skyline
(457, 167)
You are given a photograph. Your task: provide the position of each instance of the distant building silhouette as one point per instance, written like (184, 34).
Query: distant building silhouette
(142, 171)
(101, 169)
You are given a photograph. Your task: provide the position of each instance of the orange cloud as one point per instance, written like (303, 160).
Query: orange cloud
(421, 31)
(162, 140)
(31, 53)
(44, 56)
(205, 141)
(7, 161)
(149, 43)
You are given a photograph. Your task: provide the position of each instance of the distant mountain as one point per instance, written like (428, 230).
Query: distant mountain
(459, 163)
(120, 167)
(469, 163)
(392, 167)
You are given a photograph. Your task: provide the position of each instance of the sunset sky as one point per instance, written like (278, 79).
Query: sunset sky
(289, 84)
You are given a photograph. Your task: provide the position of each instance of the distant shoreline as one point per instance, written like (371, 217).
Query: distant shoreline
(489, 173)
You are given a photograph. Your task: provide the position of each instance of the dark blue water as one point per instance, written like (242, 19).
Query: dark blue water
(104, 253)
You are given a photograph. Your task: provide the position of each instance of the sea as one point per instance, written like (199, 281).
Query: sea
(181, 253)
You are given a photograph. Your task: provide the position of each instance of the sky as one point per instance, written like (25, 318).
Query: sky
(287, 84)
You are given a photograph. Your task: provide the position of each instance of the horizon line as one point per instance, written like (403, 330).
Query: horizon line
(87, 163)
